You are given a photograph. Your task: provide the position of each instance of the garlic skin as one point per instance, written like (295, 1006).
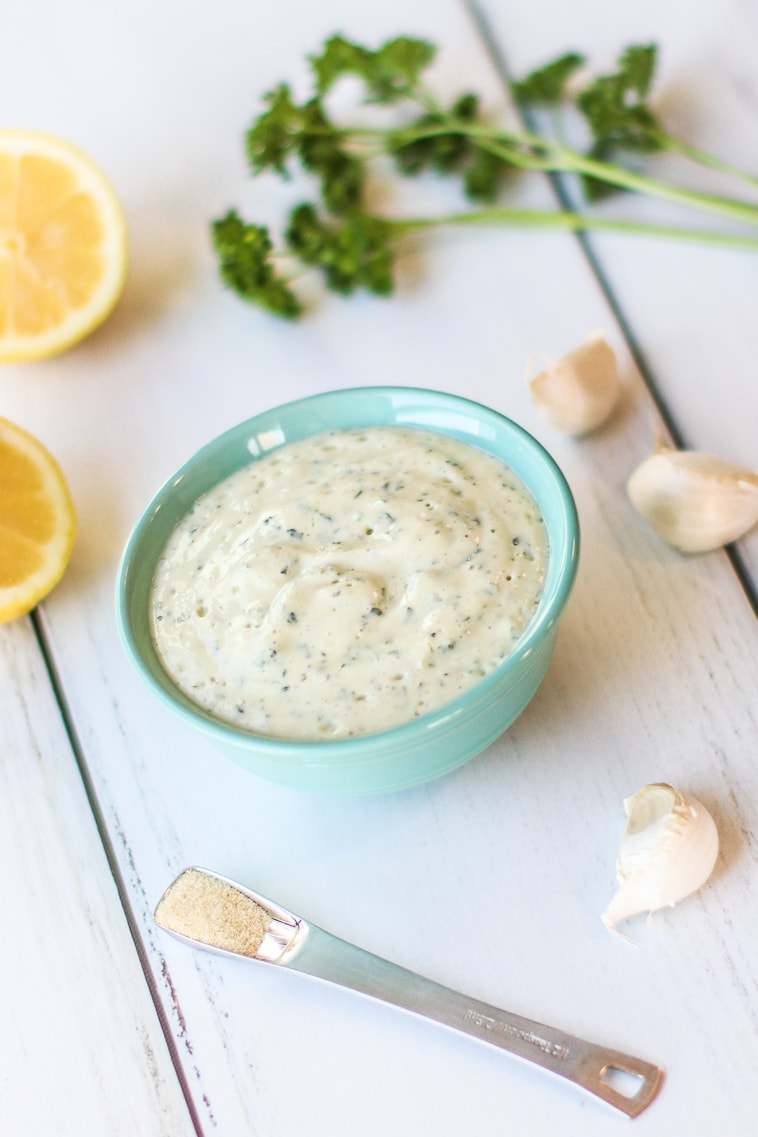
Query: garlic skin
(577, 393)
(694, 501)
(667, 851)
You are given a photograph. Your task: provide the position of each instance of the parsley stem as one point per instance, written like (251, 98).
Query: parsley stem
(549, 156)
(728, 207)
(703, 158)
(560, 219)
(536, 152)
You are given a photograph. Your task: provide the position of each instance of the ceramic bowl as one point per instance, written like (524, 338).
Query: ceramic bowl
(425, 747)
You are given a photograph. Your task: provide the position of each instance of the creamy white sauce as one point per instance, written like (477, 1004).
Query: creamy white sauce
(348, 582)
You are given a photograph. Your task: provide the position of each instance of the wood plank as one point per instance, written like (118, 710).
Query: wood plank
(82, 1049)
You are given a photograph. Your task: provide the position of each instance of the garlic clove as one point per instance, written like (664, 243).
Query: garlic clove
(694, 501)
(577, 393)
(667, 851)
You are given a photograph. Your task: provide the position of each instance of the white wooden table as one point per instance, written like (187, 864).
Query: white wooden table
(491, 880)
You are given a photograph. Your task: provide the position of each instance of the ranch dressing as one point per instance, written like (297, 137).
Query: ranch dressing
(348, 582)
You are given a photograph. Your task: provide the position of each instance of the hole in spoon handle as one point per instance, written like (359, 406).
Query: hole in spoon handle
(629, 1084)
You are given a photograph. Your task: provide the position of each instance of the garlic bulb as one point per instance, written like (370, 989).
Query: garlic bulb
(667, 851)
(694, 501)
(578, 392)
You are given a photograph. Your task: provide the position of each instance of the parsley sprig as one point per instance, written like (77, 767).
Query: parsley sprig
(354, 247)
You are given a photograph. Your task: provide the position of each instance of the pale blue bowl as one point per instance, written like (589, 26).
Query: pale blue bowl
(428, 746)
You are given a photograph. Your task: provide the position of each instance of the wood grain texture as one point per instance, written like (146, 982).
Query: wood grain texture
(491, 880)
(82, 1048)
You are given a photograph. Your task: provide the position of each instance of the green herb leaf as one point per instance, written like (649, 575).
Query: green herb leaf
(484, 176)
(623, 126)
(389, 73)
(353, 252)
(637, 66)
(275, 134)
(286, 130)
(243, 251)
(435, 144)
(545, 85)
(614, 106)
(338, 57)
(399, 63)
(321, 151)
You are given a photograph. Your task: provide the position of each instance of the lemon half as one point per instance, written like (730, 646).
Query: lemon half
(37, 521)
(63, 247)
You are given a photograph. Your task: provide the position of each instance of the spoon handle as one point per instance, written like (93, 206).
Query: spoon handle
(603, 1072)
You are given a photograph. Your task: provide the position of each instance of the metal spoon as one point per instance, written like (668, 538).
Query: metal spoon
(209, 911)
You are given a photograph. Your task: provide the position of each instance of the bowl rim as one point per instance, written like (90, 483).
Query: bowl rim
(562, 575)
